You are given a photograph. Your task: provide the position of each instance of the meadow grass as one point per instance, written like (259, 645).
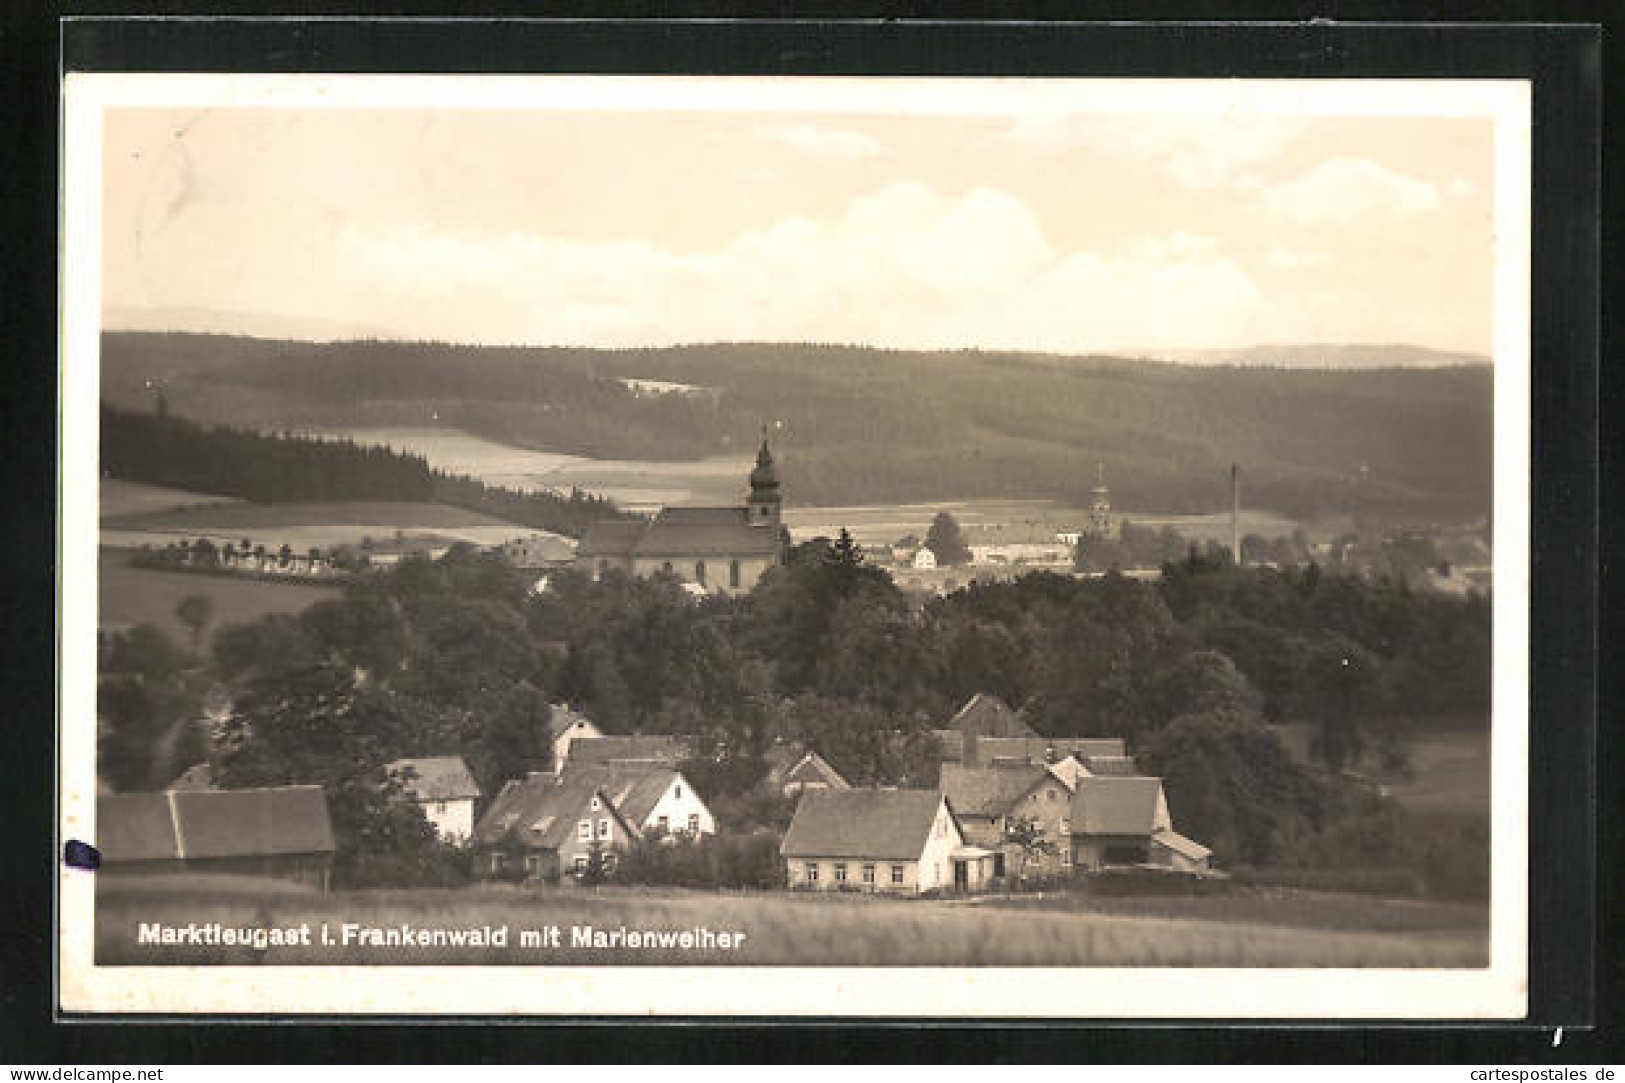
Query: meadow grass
(779, 928)
(128, 596)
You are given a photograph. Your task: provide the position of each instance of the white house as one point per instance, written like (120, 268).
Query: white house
(655, 798)
(566, 726)
(897, 841)
(443, 787)
(925, 558)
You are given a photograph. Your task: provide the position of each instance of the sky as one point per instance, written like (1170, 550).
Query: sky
(1055, 230)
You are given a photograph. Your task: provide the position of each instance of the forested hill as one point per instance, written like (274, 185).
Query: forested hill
(863, 425)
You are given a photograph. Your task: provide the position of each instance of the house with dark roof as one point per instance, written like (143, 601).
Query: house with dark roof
(811, 772)
(716, 550)
(546, 826)
(564, 725)
(625, 748)
(1114, 818)
(280, 832)
(987, 715)
(539, 551)
(444, 788)
(900, 841)
(654, 798)
(991, 799)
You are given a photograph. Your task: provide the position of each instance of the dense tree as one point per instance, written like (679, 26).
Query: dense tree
(946, 541)
(195, 611)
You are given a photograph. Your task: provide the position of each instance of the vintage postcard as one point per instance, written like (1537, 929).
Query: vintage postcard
(794, 547)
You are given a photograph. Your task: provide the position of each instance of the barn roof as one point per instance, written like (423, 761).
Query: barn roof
(1111, 765)
(880, 824)
(439, 778)
(989, 790)
(1115, 805)
(214, 823)
(1178, 843)
(542, 811)
(629, 747)
(987, 715)
(814, 768)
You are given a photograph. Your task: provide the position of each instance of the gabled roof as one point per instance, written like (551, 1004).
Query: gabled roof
(542, 811)
(1181, 845)
(1111, 765)
(989, 716)
(1115, 805)
(879, 824)
(562, 717)
(701, 532)
(990, 790)
(439, 778)
(660, 748)
(213, 823)
(611, 538)
(814, 768)
(634, 788)
(681, 532)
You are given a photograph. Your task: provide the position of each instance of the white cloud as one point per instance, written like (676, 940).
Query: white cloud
(820, 141)
(1350, 188)
(1196, 150)
(903, 265)
(1296, 259)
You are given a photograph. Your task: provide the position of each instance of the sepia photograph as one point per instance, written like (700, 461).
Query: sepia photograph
(795, 546)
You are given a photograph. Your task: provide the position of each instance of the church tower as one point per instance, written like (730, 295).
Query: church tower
(1100, 505)
(765, 501)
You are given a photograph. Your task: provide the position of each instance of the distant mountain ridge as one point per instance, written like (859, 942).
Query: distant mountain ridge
(858, 425)
(1323, 355)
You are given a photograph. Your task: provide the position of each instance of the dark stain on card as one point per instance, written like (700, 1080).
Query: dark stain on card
(81, 855)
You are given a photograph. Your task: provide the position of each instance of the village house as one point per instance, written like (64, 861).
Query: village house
(987, 715)
(655, 799)
(899, 841)
(546, 826)
(657, 748)
(539, 551)
(444, 789)
(1122, 819)
(989, 800)
(718, 550)
(281, 832)
(565, 725)
(811, 772)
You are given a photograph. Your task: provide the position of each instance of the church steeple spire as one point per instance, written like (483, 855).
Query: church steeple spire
(765, 499)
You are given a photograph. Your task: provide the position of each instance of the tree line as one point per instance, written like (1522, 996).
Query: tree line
(162, 449)
(457, 654)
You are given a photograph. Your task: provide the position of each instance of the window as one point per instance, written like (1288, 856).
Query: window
(733, 573)
(496, 862)
(677, 790)
(609, 863)
(440, 807)
(897, 874)
(603, 828)
(840, 872)
(664, 822)
(868, 874)
(581, 863)
(812, 872)
(693, 823)
(595, 803)
(699, 572)
(1050, 794)
(666, 567)
(584, 830)
(532, 863)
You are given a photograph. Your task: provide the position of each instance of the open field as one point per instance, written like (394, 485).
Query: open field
(778, 928)
(321, 524)
(633, 484)
(1450, 773)
(128, 596)
(119, 497)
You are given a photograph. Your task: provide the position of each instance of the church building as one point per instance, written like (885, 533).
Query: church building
(718, 550)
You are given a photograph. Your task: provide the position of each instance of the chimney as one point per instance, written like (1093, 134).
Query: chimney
(971, 757)
(1235, 513)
